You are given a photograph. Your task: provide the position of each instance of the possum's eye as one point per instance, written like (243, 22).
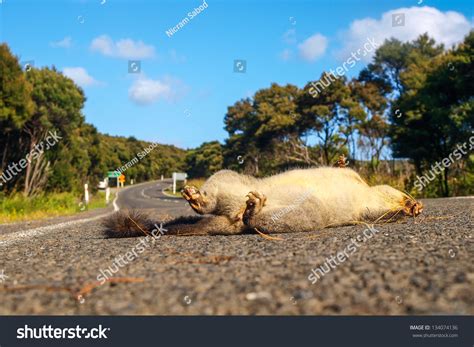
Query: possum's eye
(205, 193)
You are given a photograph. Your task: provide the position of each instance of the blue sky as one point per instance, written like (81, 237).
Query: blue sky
(187, 80)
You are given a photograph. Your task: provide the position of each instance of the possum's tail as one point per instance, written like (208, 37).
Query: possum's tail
(134, 223)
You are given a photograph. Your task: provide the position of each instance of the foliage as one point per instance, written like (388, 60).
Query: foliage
(437, 108)
(414, 97)
(41, 101)
(18, 208)
(15, 105)
(204, 160)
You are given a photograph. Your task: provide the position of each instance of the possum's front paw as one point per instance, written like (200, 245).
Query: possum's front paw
(194, 197)
(255, 203)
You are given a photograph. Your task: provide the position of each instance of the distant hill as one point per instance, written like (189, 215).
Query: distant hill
(140, 160)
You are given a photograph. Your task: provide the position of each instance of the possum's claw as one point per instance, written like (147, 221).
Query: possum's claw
(194, 197)
(413, 208)
(255, 203)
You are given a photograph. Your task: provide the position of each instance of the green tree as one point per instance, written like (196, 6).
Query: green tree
(204, 160)
(394, 57)
(436, 109)
(263, 131)
(324, 115)
(57, 108)
(372, 124)
(15, 105)
(40, 101)
(240, 150)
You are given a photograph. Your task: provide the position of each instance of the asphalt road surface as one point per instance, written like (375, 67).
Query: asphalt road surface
(421, 266)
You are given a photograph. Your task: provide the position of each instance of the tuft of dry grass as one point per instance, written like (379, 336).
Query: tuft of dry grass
(197, 182)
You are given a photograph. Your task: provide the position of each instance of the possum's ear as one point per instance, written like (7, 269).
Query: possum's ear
(128, 223)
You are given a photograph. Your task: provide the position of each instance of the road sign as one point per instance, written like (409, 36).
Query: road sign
(122, 178)
(113, 174)
(178, 176)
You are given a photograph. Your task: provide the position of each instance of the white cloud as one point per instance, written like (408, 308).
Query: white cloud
(64, 43)
(124, 48)
(145, 91)
(289, 36)
(445, 27)
(175, 57)
(286, 54)
(313, 47)
(80, 76)
(103, 44)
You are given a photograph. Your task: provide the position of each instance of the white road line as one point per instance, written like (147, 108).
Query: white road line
(14, 237)
(163, 190)
(165, 193)
(148, 196)
(43, 230)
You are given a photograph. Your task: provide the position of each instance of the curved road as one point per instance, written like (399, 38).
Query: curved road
(150, 196)
(421, 266)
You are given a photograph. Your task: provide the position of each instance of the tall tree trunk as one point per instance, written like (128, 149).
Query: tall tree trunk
(446, 183)
(5, 152)
(34, 167)
(26, 188)
(255, 161)
(353, 148)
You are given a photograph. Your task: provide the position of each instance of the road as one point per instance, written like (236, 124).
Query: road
(421, 266)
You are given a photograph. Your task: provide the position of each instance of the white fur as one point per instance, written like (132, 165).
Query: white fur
(309, 198)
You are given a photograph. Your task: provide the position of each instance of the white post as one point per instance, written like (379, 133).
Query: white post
(107, 195)
(162, 177)
(131, 182)
(174, 183)
(86, 194)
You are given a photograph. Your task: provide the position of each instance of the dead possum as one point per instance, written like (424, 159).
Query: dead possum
(293, 201)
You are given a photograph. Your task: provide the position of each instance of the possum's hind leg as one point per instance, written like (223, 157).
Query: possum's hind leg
(255, 203)
(266, 216)
(213, 225)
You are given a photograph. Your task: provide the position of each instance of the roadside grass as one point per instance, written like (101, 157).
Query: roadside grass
(17, 208)
(197, 182)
